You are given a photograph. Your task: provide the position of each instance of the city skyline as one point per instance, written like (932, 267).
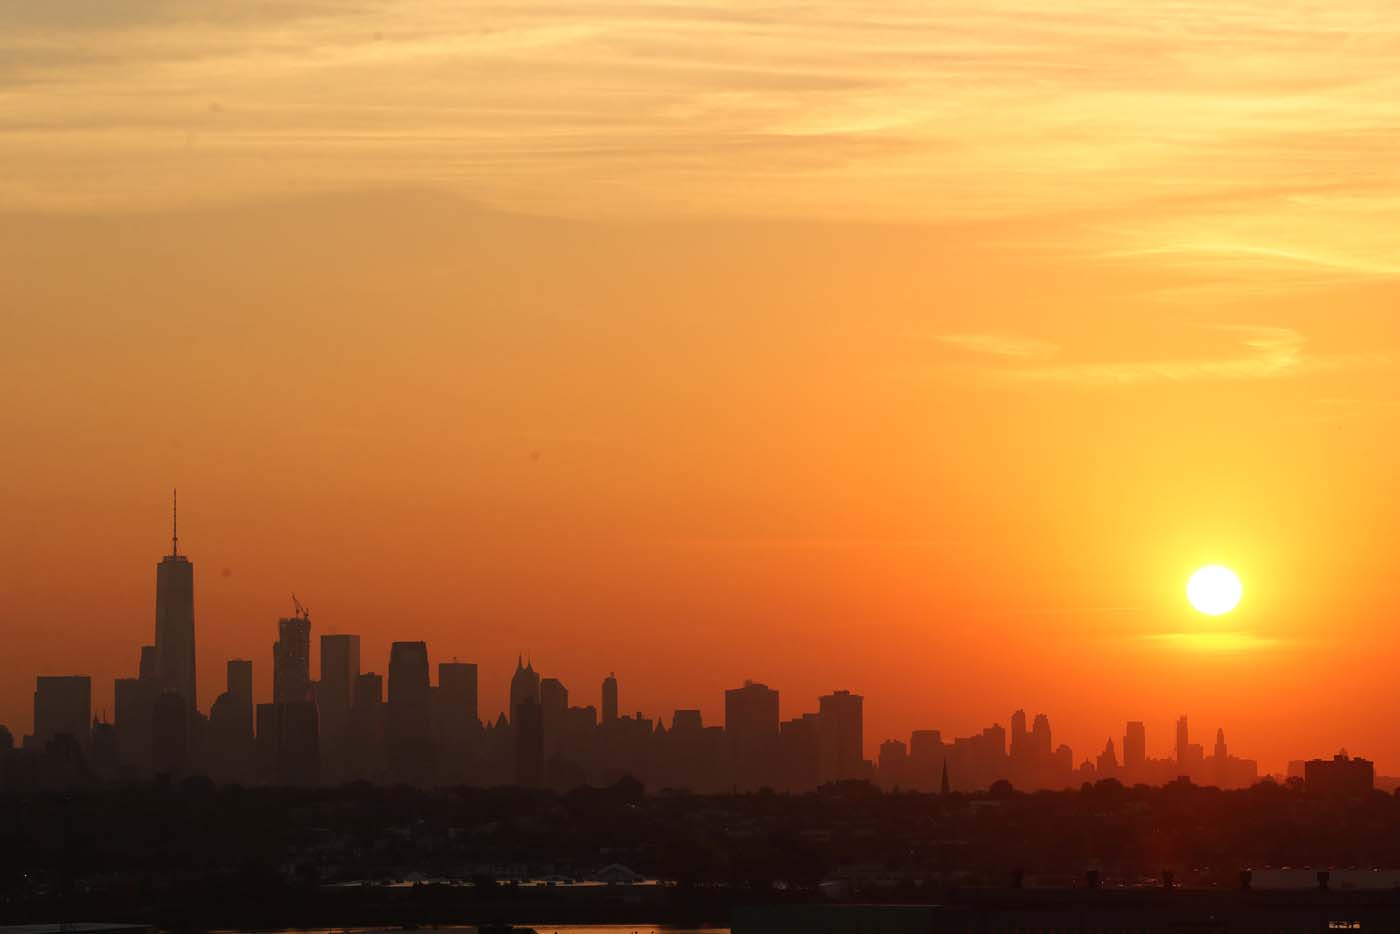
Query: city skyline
(1025, 753)
(679, 336)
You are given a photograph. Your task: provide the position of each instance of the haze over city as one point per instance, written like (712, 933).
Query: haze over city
(921, 353)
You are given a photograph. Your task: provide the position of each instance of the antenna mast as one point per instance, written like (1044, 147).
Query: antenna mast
(175, 522)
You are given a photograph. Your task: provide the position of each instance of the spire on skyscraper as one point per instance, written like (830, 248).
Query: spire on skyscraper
(174, 642)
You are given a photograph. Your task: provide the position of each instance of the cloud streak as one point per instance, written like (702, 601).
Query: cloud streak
(1261, 353)
(1228, 138)
(1002, 345)
(1217, 643)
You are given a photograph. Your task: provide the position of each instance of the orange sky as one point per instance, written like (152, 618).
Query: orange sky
(922, 352)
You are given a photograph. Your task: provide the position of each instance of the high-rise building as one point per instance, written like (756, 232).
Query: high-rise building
(408, 731)
(335, 695)
(148, 663)
(298, 760)
(265, 744)
(456, 721)
(174, 648)
(553, 694)
(554, 705)
(340, 666)
(1340, 777)
(62, 706)
(1040, 737)
(994, 744)
(369, 690)
(409, 705)
(527, 721)
(230, 749)
(135, 707)
(799, 744)
(170, 735)
(1107, 763)
(894, 764)
(291, 659)
(1134, 746)
(751, 726)
(1020, 738)
(239, 675)
(1183, 742)
(524, 685)
(842, 736)
(610, 698)
(457, 681)
(927, 755)
(366, 758)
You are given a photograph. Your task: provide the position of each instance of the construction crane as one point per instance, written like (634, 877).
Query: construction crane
(301, 611)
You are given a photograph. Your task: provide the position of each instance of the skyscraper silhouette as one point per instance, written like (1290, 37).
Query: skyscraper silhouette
(524, 685)
(291, 659)
(1020, 739)
(527, 721)
(335, 694)
(799, 748)
(409, 728)
(366, 758)
(554, 705)
(147, 669)
(751, 726)
(170, 735)
(340, 666)
(62, 706)
(842, 736)
(1107, 763)
(1040, 737)
(229, 751)
(455, 720)
(174, 648)
(610, 698)
(135, 701)
(298, 757)
(458, 683)
(1134, 747)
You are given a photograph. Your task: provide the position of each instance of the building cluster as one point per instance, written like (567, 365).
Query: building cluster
(348, 724)
(1341, 776)
(1028, 758)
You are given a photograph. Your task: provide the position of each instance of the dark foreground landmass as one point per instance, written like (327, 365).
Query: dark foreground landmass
(191, 855)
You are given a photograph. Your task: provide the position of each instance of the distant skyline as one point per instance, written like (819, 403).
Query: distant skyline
(175, 634)
(395, 725)
(924, 351)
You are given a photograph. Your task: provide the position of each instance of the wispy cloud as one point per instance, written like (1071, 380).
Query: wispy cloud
(1153, 114)
(1217, 643)
(1002, 345)
(1236, 140)
(809, 544)
(1259, 353)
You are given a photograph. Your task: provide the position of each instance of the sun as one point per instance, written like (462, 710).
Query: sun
(1214, 590)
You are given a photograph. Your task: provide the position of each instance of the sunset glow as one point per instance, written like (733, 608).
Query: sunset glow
(923, 350)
